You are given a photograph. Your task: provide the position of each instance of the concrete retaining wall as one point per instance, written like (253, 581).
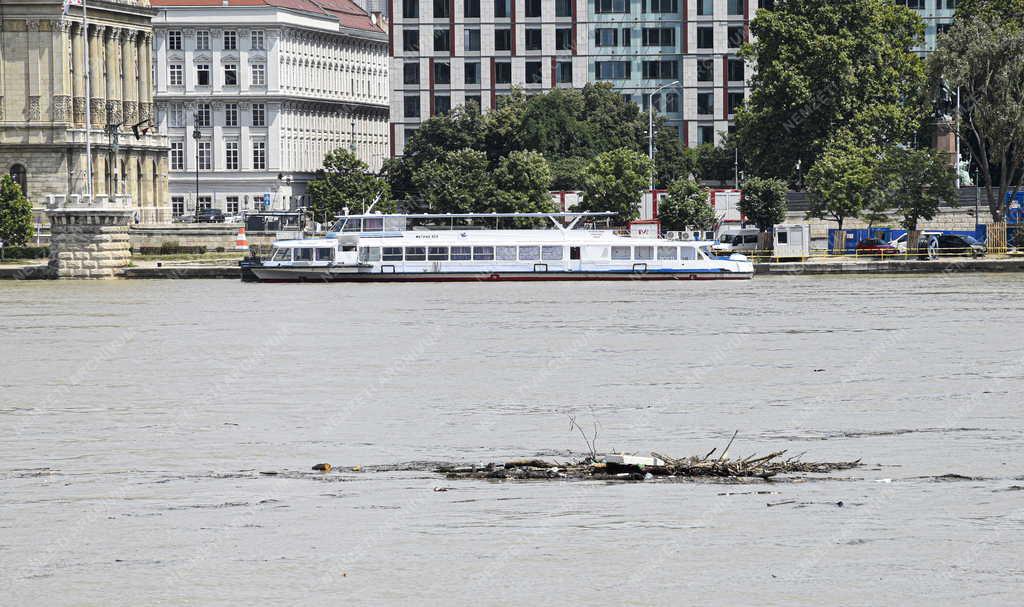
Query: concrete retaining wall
(212, 236)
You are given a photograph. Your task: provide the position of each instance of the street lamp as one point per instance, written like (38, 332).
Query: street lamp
(197, 135)
(650, 126)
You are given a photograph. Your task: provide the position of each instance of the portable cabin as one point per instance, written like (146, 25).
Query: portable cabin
(791, 241)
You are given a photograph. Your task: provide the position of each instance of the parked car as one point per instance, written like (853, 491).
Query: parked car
(875, 246)
(210, 216)
(955, 244)
(901, 242)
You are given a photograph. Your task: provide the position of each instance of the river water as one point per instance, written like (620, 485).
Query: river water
(137, 416)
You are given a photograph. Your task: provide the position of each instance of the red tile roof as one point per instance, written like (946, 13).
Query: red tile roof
(346, 12)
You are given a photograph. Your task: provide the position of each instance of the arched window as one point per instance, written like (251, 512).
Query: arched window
(20, 177)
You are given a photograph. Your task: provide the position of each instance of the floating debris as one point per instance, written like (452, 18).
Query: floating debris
(323, 467)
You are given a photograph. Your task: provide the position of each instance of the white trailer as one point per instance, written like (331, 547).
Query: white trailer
(791, 241)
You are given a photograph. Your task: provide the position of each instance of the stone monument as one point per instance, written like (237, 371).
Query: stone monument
(89, 238)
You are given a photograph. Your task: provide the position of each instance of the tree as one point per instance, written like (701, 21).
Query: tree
(568, 173)
(15, 214)
(614, 182)
(687, 205)
(981, 57)
(917, 182)
(521, 184)
(344, 181)
(1004, 9)
(672, 161)
(457, 182)
(822, 67)
(842, 182)
(716, 163)
(764, 202)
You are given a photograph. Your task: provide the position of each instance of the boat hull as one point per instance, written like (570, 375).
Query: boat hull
(263, 274)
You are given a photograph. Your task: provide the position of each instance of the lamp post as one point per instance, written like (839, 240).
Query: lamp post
(197, 135)
(650, 126)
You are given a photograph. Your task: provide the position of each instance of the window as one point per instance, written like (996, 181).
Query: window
(502, 8)
(231, 155)
(672, 103)
(472, 40)
(563, 8)
(563, 72)
(612, 70)
(533, 39)
(735, 102)
(410, 40)
(705, 37)
(441, 9)
(415, 253)
(203, 74)
(442, 73)
(532, 8)
(411, 105)
(612, 6)
(442, 104)
(259, 74)
(735, 36)
(205, 156)
(177, 75)
(369, 253)
(256, 40)
(659, 36)
(483, 253)
(230, 74)
(620, 253)
(705, 103)
(205, 202)
(471, 9)
(766, 4)
(230, 40)
(606, 36)
(705, 134)
(705, 7)
(442, 40)
(551, 253)
(626, 36)
(282, 254)
(177, 155)
(174, 40)
(505, 253)
(643, 253)
(660, 70)
(322, 253)
(392, 254)
(177, 206)
(461, 253)
(503, 40)
(203, 115)
(411, 73)
(472, 73)
(533, 73)
(410, 9)
(203, 40)
(259, 154)
(782, 236)
(563, 39)
(176, 115)
(474, 99)
(437, 254)
(662, 6)
(529, 253)
(231, 206)
(735, 70)
(737, 7)
(668, 253)
(259, 114)
(503, 72)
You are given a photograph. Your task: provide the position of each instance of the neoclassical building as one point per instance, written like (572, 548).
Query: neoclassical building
(43, 64)
(270, 87)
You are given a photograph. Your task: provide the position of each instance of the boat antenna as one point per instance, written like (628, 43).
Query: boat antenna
(376, 199)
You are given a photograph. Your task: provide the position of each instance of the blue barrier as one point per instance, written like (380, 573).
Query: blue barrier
(889, 234)
(1015, 212)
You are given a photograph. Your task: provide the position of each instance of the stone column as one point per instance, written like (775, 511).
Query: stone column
(89, 242)
(97, 86)
(148, 167)
(163, 196)
(81, 64)
(99, 173)
(113, 80)
(130, 58)
(133, 178)
(145, 75)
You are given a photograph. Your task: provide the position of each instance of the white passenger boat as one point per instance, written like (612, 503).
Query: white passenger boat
(464, 247)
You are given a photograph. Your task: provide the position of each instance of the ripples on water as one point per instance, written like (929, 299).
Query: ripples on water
(137, 418)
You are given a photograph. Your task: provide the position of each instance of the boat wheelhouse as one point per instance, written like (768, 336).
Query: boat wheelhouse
(490, 246)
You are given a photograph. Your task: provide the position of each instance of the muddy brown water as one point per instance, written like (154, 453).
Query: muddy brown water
(136, 417)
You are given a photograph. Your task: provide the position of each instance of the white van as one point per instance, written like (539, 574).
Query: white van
(736, 240)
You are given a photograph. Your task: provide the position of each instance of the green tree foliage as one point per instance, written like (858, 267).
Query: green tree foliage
(521, 184)
(843, 182)
(687, 205)
(917, 183)
(764, 201)
(15, 214)
(614, 182)
(1009, 10)
(825, 66)
(568, 173)
(716, 163)
(982, 57)
(344, 181)
(456, 182)
(672, 160)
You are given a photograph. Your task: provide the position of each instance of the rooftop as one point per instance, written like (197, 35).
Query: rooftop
(347, 13)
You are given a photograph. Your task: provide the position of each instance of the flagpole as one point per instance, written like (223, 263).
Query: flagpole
(88, 103)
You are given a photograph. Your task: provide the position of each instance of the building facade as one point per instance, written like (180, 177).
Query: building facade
(270, 87)
(43, 132)
(447, 52)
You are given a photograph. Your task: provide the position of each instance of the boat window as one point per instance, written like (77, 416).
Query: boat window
(415, 253)
(593, 252)
(620, 252)
(325, 254)
(643, 253)
(668, 253)
(707, 252)
(353, 225)
(461, 253)
(437, 253)
(551, 253)
(726, 238)
(687, 253)
(392, 254)
(282, 255)
(530, 253)
(304, 254)
(369, 254)
(394, 224)
(505, 253)
(483, 253)
(373, 224)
